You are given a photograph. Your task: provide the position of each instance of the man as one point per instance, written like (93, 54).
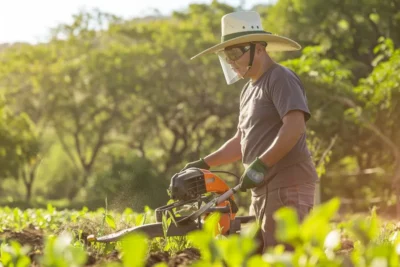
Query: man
(270, 138)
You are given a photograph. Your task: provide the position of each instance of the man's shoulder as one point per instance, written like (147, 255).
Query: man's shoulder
(282, 76)
(273, 76)
(280, 71)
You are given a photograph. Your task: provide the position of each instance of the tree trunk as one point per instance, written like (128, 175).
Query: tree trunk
(28, 179)
(28, 196)
(317, 195)
(396, 184)
(78, 186)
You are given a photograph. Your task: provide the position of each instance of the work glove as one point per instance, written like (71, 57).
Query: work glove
(254, 175)
(201, 164)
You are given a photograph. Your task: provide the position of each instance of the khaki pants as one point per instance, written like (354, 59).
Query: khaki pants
(264, 204)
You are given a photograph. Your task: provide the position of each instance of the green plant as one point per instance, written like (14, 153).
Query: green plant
(59, 252)
(14, 255)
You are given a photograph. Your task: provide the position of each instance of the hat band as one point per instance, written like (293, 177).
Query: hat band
(238, 34)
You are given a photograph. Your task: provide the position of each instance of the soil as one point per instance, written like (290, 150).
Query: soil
(182, 258)
(31, 237)
(34, 239)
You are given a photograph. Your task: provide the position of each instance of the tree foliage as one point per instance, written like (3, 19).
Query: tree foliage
(19, 147)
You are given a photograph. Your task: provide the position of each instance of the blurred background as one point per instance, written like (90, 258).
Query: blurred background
(99, 99)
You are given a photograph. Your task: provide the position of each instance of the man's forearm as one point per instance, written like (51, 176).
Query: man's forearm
(286, 139)
(227, 153)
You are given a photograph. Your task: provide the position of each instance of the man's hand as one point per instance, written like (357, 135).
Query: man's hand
(254, 175)
(201, 164)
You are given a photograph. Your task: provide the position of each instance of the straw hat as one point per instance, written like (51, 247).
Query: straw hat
(245, 26)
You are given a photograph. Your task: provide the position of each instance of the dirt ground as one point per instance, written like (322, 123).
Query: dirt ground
(34, 238)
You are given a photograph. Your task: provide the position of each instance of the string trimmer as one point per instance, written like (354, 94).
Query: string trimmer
(201, 192)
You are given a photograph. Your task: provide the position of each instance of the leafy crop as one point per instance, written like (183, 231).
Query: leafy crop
(317, 241)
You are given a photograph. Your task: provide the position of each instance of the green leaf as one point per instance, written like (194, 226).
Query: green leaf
(282, 260)
(315, 226)
(256, 261)
(50, 208)
(374, 17)
(76, 255)
(110, 221)
(287, 225)
(134, 248)
(343, 24)
(211, 223)
(139, 220)
(14, 253)
(251, 230)
(235, 249)
(365, 229)
(59, 252)
(202, 241)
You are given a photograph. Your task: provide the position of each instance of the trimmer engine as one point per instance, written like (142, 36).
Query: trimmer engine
(186, 185)
(195, 186)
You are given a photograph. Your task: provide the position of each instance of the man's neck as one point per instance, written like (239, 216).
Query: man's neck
(264, 67)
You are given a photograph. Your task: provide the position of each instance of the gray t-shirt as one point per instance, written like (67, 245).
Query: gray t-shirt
(262, 107)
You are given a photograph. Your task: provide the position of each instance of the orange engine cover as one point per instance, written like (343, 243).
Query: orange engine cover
(217, 185)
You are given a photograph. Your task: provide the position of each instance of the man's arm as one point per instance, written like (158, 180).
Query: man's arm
(227, 153)
(293, 127)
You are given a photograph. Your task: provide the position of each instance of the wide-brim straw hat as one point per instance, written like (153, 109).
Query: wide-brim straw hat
(244, 27)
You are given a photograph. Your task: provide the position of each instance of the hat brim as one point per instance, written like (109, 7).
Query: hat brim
(275, 43)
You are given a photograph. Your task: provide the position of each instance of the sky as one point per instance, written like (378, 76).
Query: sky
(31, 21)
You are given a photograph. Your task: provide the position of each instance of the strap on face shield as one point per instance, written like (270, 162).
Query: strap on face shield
(252, 52)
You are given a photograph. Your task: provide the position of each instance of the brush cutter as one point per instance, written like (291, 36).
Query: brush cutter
(196, 193)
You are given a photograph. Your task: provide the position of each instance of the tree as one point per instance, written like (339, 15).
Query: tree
(19, 148)
(24, 71)
(93, 86)
(369, 107)
(190, 107)
(349, 30)
(378, 98)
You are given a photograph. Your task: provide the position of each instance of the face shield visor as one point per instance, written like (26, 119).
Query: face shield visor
(230, 55)
(231, 76)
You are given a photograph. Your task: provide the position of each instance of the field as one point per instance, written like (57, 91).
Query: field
(50, 237)
(47, 237)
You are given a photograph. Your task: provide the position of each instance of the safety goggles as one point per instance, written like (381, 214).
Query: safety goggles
(234, 53)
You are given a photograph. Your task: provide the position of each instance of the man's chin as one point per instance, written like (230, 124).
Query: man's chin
(244, 76)
(240, 74)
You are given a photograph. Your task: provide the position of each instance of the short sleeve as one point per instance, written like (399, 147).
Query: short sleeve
(288, 94)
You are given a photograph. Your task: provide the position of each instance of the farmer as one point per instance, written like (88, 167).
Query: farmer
(271, 131)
